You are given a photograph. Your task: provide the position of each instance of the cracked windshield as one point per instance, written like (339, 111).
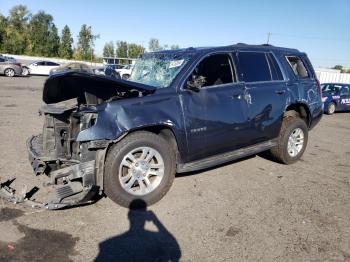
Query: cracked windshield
(158, 70)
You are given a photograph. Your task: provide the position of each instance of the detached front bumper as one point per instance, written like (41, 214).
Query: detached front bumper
(73, 183)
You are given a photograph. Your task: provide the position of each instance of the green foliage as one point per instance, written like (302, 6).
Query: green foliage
(134, 50)
(108, 49)
(338, 67)
(14, 37)
(86, 40)
(122, 49)
(66, 48)
(3, 25)
(43, 38)
(342, 68)
(174, 47)
(154, 45)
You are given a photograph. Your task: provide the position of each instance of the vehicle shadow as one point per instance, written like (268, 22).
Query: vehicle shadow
(138, 244)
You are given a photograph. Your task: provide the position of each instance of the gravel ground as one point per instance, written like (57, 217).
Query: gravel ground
(250, 210)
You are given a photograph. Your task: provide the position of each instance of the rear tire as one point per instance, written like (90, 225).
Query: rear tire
(117, 172)
(292, 141)
(9, 72)
(331, 109)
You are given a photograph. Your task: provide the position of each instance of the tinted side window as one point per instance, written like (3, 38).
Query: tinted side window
(2, 60)
(40, 63)
(51, 64)
(211, 71)
(345, 91)
(276, 72)
(298, 66)
(253, 67)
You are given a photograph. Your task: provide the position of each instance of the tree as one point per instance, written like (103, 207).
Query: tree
(15, 35)
(66, 49)
(174, 47)
(153, 45)
(122, 49)
(338, 67)
(53, 42)
(86, 42)
(134, 50)
(3, 25)
(43, 37)
(108, 49)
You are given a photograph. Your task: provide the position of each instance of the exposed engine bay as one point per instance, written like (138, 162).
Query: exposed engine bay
(71, 101)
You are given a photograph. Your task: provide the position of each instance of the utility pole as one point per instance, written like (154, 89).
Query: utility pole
(268, 37)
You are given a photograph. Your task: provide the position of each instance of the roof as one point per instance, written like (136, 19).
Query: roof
(239, 46)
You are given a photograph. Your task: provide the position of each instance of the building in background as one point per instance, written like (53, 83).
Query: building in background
(326, 75)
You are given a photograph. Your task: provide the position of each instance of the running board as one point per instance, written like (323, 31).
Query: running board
(225, 157)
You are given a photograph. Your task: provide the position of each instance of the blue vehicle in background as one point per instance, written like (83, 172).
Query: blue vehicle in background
(335, 97)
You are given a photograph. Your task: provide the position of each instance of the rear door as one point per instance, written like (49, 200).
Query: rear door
(266, 89)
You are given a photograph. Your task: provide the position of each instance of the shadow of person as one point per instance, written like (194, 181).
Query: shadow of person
(138, 244)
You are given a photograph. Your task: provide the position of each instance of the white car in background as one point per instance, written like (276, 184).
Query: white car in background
(42, 67)
(125, 72)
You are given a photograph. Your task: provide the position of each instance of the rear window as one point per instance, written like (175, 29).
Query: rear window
(298, 66)
(253, 67)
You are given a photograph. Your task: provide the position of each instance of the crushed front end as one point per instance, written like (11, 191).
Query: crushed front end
(72, 160)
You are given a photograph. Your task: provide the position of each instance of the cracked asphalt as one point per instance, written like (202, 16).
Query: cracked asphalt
(249, 210)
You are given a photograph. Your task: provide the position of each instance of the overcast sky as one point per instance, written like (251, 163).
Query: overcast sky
(318, 27)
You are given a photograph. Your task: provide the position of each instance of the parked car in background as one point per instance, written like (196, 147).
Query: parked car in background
(106, 71)
(125, 72)
(42, 67)
(335, 97)
(115, 66)
(10, 68)
(77, 67)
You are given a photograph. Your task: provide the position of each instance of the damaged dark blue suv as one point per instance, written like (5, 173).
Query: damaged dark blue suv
(181, 111)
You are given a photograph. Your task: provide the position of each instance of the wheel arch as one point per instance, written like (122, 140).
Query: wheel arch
(299, 110)
(159, 129)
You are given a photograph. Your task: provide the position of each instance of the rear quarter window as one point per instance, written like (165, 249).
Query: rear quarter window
(298, 67)
(253, 67)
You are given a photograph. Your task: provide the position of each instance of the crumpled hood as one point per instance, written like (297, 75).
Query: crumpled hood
(67, 85)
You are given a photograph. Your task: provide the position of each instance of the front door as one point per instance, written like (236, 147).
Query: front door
(215, 109)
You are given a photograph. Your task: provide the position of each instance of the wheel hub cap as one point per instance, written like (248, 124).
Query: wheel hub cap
(141, 171)
(295, 142)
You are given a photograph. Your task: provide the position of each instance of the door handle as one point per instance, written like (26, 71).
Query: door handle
(280, 92)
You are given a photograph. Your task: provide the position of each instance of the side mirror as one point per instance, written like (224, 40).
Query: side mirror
(195, 83)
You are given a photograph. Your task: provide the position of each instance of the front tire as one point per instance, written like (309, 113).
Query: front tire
(292, 141)
(140, 166)
(25, 71)
(330, 109)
